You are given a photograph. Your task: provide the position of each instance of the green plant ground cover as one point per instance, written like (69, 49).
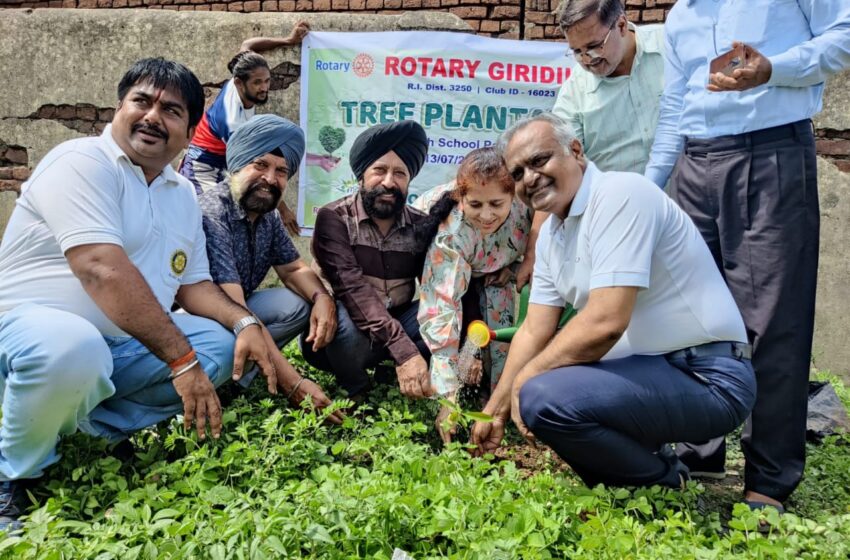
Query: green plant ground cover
(282, 484)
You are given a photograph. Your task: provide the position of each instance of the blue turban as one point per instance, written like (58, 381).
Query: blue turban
(261, 135)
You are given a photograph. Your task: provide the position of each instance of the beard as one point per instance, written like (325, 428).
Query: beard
(378, 208)
(256, 100)
(252, 200)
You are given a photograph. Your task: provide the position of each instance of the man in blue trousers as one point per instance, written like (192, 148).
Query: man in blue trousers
(657, 352)
(103, 240)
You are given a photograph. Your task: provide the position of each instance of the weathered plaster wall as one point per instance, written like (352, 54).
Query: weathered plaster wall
(67, 64)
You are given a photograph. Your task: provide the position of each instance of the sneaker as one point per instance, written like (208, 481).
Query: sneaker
(11, 498)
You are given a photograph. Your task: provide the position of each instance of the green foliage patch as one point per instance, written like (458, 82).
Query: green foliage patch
(282, 484)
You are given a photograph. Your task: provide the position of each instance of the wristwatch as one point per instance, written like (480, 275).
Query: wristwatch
(245, 321)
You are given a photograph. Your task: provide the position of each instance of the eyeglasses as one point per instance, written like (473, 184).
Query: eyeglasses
(595, 52)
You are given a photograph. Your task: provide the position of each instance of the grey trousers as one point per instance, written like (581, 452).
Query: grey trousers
(754, 199)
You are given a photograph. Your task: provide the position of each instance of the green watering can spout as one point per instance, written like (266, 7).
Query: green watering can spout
(481, 335)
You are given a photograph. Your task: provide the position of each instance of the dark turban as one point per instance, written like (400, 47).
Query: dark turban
(261, 135)
(406, 138)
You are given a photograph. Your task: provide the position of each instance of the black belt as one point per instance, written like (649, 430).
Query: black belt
(739, 350)
(703, 146)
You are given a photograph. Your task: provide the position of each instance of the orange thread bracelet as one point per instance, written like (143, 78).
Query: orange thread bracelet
(182, 360)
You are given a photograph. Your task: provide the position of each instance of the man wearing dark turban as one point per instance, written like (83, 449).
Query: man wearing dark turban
(366, 249)
(245, 238)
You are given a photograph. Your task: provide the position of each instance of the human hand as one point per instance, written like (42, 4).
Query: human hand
(200, 402)
(318, 398)
(756, 72)
(252, 344)
(299, 32)
(322, 322)
(487, 436)
(290, 221)
(326, 161)
(476, 371)
(524, 273)
(499, 278)
(519, 381)
(414, 378)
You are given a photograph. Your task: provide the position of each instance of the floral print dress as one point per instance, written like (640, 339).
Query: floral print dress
(459, 252)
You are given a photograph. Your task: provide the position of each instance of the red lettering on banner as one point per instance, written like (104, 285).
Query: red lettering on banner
(439, 68)
(424, 62)
(408, 66)
(455, 65)
(473, 66)
(521, 73)
(391, 66)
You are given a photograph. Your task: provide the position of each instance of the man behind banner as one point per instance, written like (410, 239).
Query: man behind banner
(611, 100)
(103, 240)
(246, 238)
(621, 252)
(204, 163)
(366, 248)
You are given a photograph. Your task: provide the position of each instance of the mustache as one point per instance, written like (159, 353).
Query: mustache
(261, 183)
(153, 130)
(380, 191)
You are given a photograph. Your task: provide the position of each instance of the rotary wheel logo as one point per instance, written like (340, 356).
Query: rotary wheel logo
(363, 65)
(178, 262)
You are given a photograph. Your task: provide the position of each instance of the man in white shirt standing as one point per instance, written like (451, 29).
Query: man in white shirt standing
(103, 240)
(621, 252)
(611, 98)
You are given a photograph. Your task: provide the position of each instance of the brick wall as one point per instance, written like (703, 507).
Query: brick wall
(514, 19)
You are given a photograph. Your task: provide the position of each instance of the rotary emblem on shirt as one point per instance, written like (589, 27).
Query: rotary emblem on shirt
(178, 262)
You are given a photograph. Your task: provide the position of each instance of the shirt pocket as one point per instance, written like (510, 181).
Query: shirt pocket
(758, 23)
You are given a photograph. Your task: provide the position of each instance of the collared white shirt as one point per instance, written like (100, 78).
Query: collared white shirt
(622, 230)
(615, 118)
(87, 191)
(806, 41)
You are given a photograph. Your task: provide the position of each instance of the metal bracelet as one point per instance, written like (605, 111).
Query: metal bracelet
(245, 322)
(292, 392)
(186, 368)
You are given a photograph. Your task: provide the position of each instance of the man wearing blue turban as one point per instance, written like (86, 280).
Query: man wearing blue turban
(246, 237)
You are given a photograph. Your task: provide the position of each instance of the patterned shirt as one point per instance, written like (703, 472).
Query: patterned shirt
(458, 253)
(370, 274)
(241, 252)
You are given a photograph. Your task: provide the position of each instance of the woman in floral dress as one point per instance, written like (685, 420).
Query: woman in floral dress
(480, 232)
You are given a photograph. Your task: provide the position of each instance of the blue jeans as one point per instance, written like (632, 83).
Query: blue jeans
(351, 352)
(284, 313)
(58, 373)
(609, 419)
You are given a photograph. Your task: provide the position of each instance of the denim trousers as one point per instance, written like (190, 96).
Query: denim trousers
(610, 419)
(284, 313)
(351, 352)
(58, 373)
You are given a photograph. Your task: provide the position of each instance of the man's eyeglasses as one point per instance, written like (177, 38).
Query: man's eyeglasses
(596, 50)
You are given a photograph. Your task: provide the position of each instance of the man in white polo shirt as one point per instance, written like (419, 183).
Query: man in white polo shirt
(657, 352)
(103, 240)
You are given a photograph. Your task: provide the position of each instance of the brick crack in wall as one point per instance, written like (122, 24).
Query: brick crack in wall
(82, 117)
